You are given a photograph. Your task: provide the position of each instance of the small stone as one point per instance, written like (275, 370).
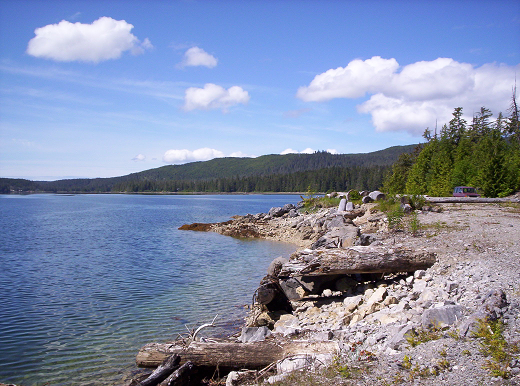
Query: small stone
(327, 293)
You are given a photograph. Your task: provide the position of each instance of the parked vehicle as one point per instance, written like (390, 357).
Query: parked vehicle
(465, 191)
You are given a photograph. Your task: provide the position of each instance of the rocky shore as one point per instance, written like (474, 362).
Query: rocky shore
(436, 301)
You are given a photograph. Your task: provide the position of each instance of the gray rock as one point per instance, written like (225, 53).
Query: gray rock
(276, 212)
(490, 309)
(441, 316)
(407, 208)
(350, 206)
(292, 288)
(335, 222)
(366, 239)
(276, 265)
(293, 213)
(288, 207)
(254, 334)
(342, 205)
(399, 337)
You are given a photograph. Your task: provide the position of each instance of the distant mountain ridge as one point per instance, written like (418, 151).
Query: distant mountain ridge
(216, 169)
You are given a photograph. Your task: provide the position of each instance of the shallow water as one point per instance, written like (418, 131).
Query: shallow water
(86, 280)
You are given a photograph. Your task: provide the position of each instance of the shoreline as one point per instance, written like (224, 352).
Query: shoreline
(472, 244)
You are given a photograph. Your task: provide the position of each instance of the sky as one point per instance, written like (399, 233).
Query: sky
(107, 88)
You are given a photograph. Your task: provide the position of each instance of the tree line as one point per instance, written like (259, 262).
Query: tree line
(321, 180)
(484, 154)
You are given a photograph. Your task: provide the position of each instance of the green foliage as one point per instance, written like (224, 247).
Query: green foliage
(395, 182)
(395, 217)
(312, 203)
(422, 335)
(494, 345)
(484, 154)
(414, 225)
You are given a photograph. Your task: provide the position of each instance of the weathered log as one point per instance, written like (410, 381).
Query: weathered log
(359, 259)
(468, 200)
(229, 355)
(181, 376)
(163, 371)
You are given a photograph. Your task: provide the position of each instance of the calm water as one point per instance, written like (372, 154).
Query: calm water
(86, 280)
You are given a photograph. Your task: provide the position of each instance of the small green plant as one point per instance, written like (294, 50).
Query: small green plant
(422, 335)
(417, 201)
(455, 334)
(494, 345)
(414, 224)
(395, 217)
(407, 362)
(443, 364)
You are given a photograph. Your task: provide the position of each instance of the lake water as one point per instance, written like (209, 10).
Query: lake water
(86, 280)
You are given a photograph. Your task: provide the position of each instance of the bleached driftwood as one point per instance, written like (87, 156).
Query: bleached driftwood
(357, 259)
(230, 355)
(468, 200)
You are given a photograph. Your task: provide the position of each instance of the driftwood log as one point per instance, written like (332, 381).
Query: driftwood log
(181, 376)
(228, 355)
(468, 200)
(162, 372)
(357, 259)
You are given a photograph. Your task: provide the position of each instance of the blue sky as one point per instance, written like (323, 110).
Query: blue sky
(107, 88)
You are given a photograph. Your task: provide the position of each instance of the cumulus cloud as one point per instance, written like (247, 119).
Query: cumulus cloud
(182, 156)
(240, 154)
(415, 96)
(196, 56)
(139, 157)
(174, 156)
(306, 151)
(212, 96)
(104, 39)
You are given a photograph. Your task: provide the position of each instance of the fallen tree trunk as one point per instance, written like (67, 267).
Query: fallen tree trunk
(357, 260)
(468, 200)
(230, 355)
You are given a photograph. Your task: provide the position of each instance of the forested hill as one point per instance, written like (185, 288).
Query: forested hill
(269, 164)
(266, 173)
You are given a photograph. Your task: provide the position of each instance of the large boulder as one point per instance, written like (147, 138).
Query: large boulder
(491, 309)
(443, 316)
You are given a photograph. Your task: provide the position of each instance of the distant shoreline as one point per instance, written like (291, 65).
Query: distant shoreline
(165, 193)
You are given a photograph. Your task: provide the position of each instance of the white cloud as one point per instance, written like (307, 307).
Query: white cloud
(240, 154)
(203, 154)
(417, 96)
(104, 39)
(213, 96)
(182, 156)
(196, 56)
(139, 157)
(306, 151)
(352, 81)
